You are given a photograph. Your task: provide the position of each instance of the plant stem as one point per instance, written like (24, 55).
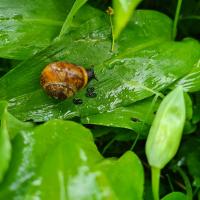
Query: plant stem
(108, 145)
(196, 191)
(155, 173)
(187, 183)
(135, 141)
(146, 119)
(177, 14)
(113, 38)
(170, 183)
(190, 17)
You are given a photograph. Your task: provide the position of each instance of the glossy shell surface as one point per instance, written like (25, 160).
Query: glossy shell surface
(62, 80)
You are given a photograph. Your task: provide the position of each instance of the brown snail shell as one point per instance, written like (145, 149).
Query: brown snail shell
(62, 80)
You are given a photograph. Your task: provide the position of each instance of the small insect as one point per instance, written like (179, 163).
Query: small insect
(90, 92)
(62, 80)
(77, 101)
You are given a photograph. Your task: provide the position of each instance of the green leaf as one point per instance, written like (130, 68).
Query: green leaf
(62, 155)
(28, 27)
(191, 81)
(9, 128)
(131, 176)
(33, 148)
(139, 69)
(77, 5)
(5, 146)
(137, 117)
(175, 196)
(123, 10)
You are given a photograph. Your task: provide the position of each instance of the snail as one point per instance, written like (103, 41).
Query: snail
(62, 80)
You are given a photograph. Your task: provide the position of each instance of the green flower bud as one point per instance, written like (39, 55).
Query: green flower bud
(166, 131)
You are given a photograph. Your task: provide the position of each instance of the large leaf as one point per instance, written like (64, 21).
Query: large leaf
(28, 26)
(59, 160)
(31, 147)
(146, 62)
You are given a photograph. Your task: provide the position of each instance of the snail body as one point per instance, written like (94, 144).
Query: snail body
(62, 80)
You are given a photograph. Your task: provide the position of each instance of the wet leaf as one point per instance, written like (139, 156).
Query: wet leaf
(137, 117)
(66, 150)
(138, 69)
(131, 176)
(123, 10)
(28, 27)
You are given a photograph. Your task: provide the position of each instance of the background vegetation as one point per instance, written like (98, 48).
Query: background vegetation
(140, 50)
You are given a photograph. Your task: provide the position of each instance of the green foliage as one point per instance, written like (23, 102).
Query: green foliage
(114, 88)
(131, 117)
(123, 11)
(175, 196)
(52, 158)
(77, 5)
(190, 18)
(5, 146)
(165, 134)
(28, 27)
(191, 156)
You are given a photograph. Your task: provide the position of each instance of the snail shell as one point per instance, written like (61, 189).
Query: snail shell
(62, 80)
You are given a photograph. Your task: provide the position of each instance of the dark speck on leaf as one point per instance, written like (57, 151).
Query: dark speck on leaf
(91, 95)
(90, 89)
(135, 119)
(90, 92)
(77, 101)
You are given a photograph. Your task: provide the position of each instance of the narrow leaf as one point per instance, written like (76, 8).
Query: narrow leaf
(77, 5)
(123, 10)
